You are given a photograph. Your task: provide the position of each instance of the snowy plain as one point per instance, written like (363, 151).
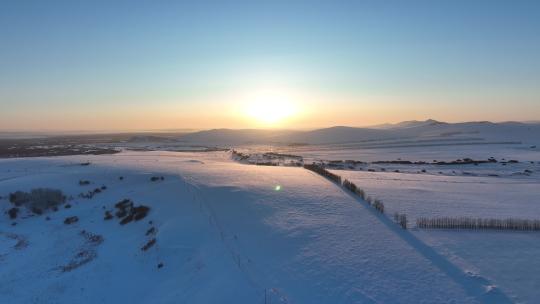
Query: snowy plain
(225, 234)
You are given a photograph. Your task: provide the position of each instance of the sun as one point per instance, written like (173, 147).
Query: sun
(270, 109)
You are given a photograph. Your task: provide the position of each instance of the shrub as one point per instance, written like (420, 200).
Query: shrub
(140, 212)
(19, 197)
(90, 194)
(13, 213)
(71, 220)
(38, 199)
(108, 215)
(84, 182)
(151, 231)
(127, 219)
(150, 243)
(128, 212)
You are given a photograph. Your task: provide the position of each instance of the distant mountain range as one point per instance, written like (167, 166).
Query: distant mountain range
(430, 129)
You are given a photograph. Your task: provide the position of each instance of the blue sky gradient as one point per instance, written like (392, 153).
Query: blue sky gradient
(170, 64)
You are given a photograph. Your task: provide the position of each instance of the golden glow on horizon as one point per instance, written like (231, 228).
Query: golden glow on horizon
(270, 109)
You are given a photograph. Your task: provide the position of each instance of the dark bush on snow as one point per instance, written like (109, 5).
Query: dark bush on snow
(124, 203)
(84, 182)
(151, 231)
(13, 213)
(71, 220)
(41, 199)
(128, 212)
(140, 212)
(147, 246)
(126, 219)
(124, 206)
(157, 178)
(108, 215)
(90, 194)
(19, 197)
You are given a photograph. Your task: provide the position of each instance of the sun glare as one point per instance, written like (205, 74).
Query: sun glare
(270, 110)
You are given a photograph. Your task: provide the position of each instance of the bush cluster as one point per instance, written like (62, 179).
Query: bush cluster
(127, 212)
(38, 200)
(90, 194)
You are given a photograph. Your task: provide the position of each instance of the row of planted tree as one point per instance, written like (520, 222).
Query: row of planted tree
(350, 186)
(431, 223)
(478, 223)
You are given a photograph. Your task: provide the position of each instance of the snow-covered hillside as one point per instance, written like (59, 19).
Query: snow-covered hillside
(225, 233)
(407, 133)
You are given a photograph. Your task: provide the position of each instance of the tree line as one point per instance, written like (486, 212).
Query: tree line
(478, 223)
(322, 171)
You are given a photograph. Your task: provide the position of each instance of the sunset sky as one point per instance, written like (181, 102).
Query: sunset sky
(95, 65)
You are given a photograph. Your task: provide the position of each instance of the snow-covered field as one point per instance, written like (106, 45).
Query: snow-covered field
(425, 195)
(226, 233)
(508, 258)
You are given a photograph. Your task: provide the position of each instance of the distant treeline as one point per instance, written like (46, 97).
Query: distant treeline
(239, 156)
(464, 161)
(281, 155)
(478, 223)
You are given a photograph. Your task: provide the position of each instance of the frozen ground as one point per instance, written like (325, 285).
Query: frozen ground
(225, 234)
(424, 195)
(510, 259)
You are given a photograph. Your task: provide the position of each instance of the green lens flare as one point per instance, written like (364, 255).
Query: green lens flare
(277, 188)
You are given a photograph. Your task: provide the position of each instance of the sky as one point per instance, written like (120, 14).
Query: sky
(149, 65)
